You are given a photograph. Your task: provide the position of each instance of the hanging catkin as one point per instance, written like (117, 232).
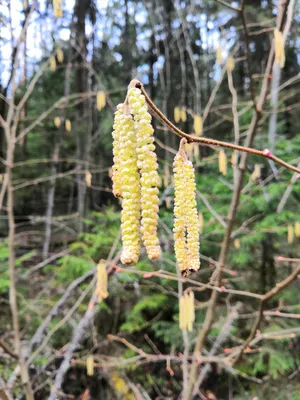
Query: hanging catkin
(52, 63)
(68, 125)
(57, 122)
(222, 162)
(126, 182)
(90, 365)
(60, 55)
(101, 100)
(101, 286)
(230, 63)
(279, 48)
(176, 114)
(57, 8)
(198, 125)
(147, 164)
(290, 234)
(297, 229)
(186, 223)
(186, 311)
(219, 57)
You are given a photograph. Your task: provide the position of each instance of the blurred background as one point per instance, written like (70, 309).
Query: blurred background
(65, 65)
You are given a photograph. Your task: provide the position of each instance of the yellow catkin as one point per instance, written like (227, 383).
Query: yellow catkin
(186, 225)
(236, 243)
(219, 56)
(201, 222)
(60, 55)
(68, 125)
(182, 313)
(88, 178)
(230, 63)
(290, 234)
(183, 114)
(196, 151)
(57, 8)
(297, 229)
(222, 162)
(279, 48)
(147, 164)
(190, 311)
(101, 286)
(176, 114)
(116, 175)
(186, 311)
(130, 186)
(198, 125)
(90, 365)
(57, 122)
(256, 174)
(166, 176)
(52, 63)
(101, 100)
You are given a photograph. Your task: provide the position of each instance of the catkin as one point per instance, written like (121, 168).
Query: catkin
(183, 114)
(147, 164)
(68, 125)
(101, 100)
(88, 178)
(219, 56)
(176, 114)
(57, 122)
(230, 63)
(222, 162)
(297, 229)
(60, 55)
(57, 8)
(290, 234)
(198, 125)
(256, 174)
(52, 63)
(101, 286)
(279, 48)
(130, 186)
(90, 365)
(186, 311)
(201, 222)
(186, 223)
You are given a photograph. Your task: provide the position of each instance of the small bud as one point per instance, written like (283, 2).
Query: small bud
(176, 114)
(57, 122)
(90, 365)
(68, 125)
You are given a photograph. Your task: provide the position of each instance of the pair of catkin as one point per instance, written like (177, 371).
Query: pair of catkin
(135, 177)
(186, 224)
(179, 114)
(186, 311)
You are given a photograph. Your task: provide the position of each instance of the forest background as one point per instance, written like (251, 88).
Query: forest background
(59, 217)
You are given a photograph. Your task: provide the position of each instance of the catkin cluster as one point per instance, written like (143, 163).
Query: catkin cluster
(135, 177)
(186, 224)
(186, 311)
